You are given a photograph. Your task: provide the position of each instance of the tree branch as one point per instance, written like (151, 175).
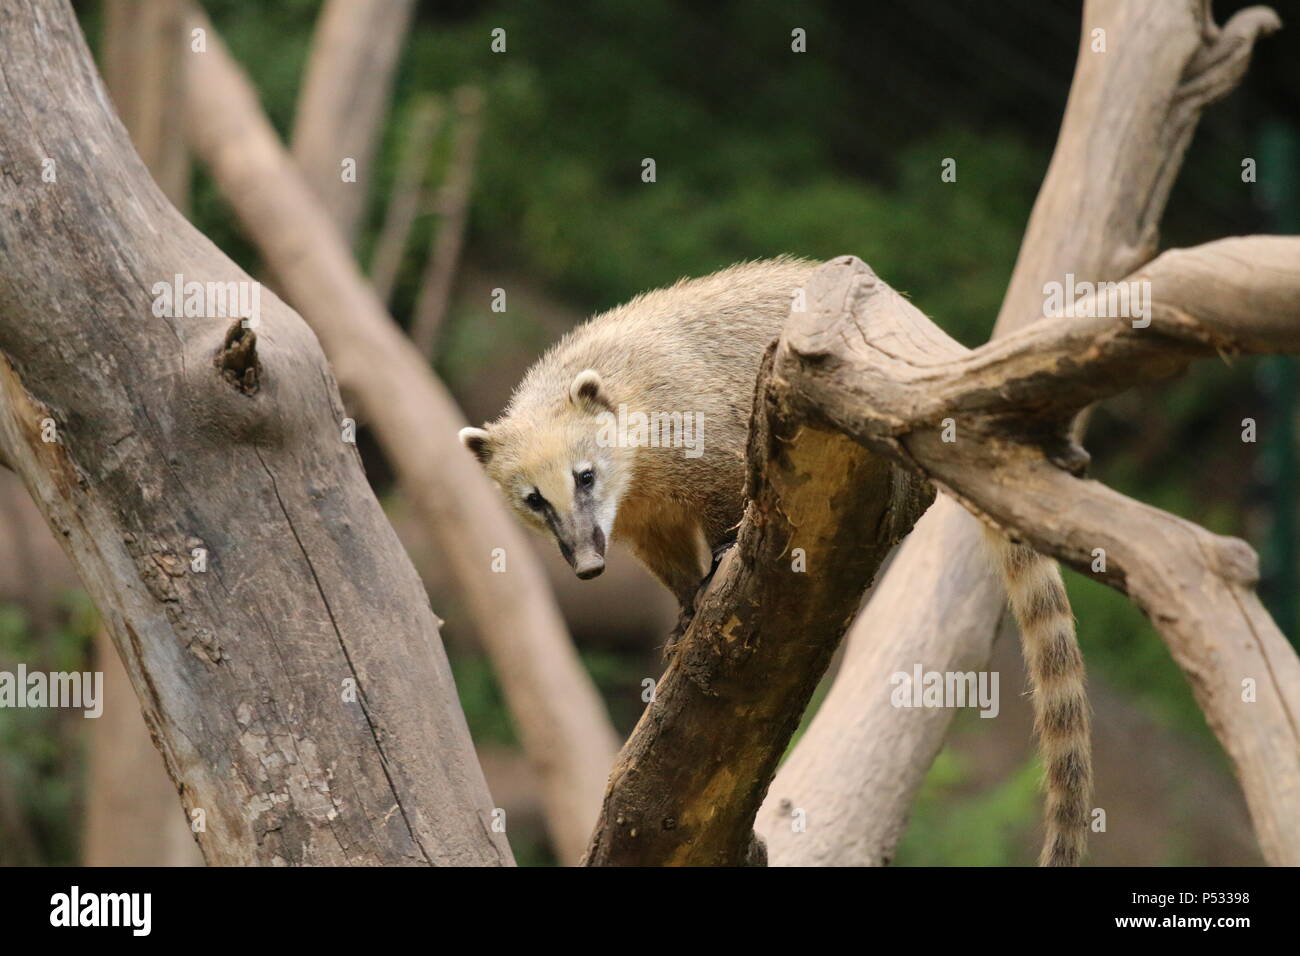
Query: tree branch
(1131, 113)
(453, 204)
(691, 777)
(344, 99)
(404, 202)
(895, 381)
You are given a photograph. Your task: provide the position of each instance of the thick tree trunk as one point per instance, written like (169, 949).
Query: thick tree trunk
(281, 644)
(1132, 110)
(559, 716)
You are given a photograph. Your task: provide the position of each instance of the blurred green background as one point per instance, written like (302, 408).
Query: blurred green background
(760, 151)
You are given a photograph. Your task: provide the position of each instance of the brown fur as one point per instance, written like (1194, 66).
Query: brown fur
(696, 347)
(1056, 675)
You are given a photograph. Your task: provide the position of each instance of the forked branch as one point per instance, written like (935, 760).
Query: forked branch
(886, 376)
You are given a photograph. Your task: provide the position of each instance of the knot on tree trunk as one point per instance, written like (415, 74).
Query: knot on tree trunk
(237, 358)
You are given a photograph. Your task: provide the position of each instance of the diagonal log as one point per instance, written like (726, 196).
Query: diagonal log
(690, 779)
(132, 814)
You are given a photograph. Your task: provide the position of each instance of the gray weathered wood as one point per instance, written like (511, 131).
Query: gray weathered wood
(132, 814)
(243, 670)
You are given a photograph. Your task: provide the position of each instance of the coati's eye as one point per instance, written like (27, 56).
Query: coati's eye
(586, 478)
(535, 501)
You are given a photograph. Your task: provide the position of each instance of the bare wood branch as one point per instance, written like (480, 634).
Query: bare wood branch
(142, 70)
(156, 455)
(894, 382)
(691, 777)
(561, 720)
(404, 203)
(453, 203)
(344, 99)
(1131, 113)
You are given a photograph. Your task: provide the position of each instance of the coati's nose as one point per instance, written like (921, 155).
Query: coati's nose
(588, 566)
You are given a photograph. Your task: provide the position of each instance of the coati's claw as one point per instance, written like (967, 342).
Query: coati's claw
(684, 618)
(686, 613)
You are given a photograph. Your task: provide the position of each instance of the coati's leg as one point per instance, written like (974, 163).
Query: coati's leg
(678, 561)
(715, 559)
(666, 537)
(686, 613)
(677, 553)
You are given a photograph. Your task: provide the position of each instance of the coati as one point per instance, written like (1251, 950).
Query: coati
(687, 357)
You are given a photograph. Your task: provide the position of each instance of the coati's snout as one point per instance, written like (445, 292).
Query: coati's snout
(587, 556)
(590, 562)
(591, 567)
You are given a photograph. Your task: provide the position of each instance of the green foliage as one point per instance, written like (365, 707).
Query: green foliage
(560, 194)
(480, 698)
(616, 676)
(987, 829)
(41, 749)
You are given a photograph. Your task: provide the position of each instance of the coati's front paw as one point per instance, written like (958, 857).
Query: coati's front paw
(685, 615)
(687, 605)
(718, 553)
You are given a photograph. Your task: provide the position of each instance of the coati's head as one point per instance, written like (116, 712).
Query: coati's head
(555, 473)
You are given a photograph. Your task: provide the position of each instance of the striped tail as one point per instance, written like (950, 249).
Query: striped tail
(1038, 600)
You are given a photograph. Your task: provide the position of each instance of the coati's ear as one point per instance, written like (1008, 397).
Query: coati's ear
(588, 393)
(478, 441)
